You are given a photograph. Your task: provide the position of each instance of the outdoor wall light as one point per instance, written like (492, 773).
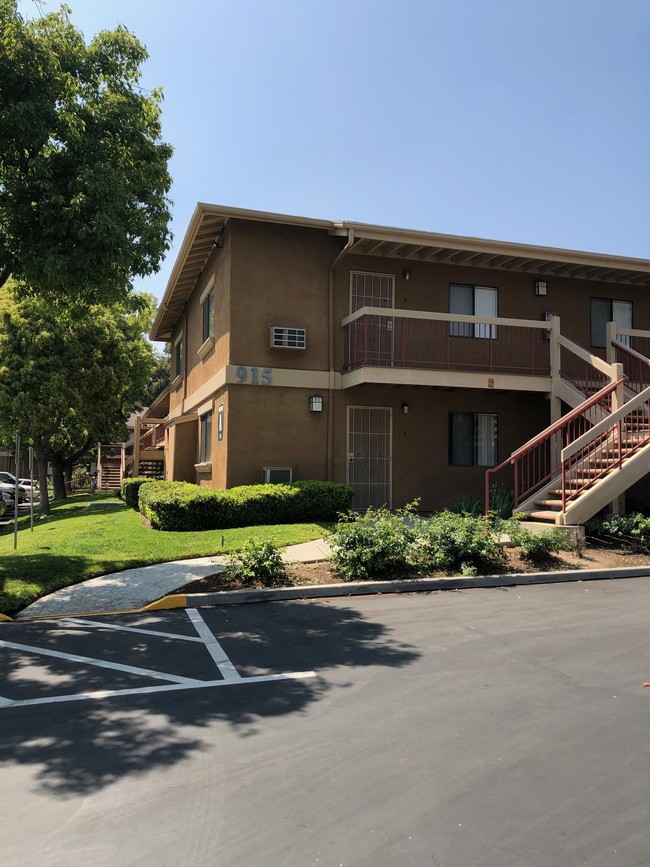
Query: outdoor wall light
(406, 274)
(405, 407)
(541, 287)
(315, 403)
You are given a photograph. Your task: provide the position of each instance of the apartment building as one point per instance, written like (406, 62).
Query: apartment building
(405, 363)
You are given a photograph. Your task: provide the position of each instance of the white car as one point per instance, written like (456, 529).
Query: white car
(8, 481)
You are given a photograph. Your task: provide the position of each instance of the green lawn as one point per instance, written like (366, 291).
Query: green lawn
(88, 536)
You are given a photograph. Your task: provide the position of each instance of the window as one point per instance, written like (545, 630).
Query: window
(178, 356)
(288, 338)
(220, 423)
(205, 441)
(472, 301)
(207, 308)
(604, 310)
(278, 475)
(472, 439)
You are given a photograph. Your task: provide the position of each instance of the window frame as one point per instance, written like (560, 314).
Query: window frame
(269, 470)
(476, 445)
(178, 359)
(205, 437)
(478, 330)
(611, 302)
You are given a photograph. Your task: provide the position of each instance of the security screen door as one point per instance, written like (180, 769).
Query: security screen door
(375, 290)
(370, 455)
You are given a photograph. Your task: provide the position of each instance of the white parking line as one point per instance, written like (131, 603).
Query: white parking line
(145, 690)
(100, 663)
(213, 647)
(103, 625)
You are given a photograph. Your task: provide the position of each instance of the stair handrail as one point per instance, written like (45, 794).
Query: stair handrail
(603, 426)
(633, 352)
(553, 428)
(603, 366)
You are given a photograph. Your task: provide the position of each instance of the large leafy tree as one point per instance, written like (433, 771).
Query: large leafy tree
(70, 373)
(83, 169)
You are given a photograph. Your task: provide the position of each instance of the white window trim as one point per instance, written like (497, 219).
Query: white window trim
(205, 347)
(209, 287)
(176, 381)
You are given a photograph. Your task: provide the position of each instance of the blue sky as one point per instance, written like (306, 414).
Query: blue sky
(520, 120)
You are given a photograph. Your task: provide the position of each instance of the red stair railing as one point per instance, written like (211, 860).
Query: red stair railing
(536, 462)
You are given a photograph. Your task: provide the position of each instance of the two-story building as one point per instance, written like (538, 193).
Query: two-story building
(403, 362)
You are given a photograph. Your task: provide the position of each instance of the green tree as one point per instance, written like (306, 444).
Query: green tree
(83, 169)
(70, 372)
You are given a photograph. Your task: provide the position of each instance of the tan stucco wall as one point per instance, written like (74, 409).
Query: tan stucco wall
(280, 277)
(181, 455)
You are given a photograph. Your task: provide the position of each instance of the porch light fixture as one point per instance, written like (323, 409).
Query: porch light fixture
(405, 407)
(541, 287)
(315, 403)
(406, 274)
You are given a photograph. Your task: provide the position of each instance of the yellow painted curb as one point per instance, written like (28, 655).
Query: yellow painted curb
(4, 617)
(178, 600)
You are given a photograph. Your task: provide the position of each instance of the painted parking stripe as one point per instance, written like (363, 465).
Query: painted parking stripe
(100, 663)
(140, 631)
(213, 647)
(146, 690)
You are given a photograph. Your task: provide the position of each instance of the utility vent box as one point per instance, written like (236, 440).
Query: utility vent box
(288, 338)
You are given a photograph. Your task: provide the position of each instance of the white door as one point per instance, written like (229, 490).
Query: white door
(370, 455)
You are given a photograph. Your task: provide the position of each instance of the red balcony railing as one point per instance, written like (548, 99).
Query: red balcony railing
(585, 371)
(439, 341)
(635, 366)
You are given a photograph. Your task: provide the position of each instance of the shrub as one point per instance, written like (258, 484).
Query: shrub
(130, 489)
(632, 528)
(258, 561)
(502, 501)
(448, 541)
(322, 501)
(184, 506)
(467, 505)
(373, 545)
(537, 547)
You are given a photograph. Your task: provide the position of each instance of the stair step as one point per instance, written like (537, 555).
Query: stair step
(548, 517)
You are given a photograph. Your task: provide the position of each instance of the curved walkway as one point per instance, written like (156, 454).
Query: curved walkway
(135, 588)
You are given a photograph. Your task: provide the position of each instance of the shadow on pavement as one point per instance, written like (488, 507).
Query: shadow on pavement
(81, 747)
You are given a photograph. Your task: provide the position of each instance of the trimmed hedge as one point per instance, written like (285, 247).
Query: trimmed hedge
(130, 489)
(184, 506)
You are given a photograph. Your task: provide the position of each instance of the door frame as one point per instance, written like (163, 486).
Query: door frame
(389, 505)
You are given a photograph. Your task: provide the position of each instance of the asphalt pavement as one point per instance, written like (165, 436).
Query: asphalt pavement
(501, 727)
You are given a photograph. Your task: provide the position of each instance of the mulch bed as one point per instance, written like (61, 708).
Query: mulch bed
(306, 574)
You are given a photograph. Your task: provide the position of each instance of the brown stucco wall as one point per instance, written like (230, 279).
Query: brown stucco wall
(420, 438)
(279, 277)
(272, 427)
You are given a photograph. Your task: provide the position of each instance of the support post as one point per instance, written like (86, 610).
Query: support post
(610, 336)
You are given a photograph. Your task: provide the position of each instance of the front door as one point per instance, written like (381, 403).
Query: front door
(375, 338)
(370, 455)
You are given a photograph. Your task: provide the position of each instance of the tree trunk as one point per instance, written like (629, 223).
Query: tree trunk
(41, 465)
(58, 480)
(67, 470)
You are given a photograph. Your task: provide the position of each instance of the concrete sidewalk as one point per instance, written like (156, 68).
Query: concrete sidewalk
(135, 588)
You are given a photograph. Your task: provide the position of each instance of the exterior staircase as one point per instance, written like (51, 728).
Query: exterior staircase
(600, 447)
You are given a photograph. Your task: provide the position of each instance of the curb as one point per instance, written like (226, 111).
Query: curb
(357, 588)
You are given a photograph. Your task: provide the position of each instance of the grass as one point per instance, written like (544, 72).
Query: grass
(88, 535)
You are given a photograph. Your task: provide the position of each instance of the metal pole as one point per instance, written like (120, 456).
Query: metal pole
(31, 482)
(16, 492)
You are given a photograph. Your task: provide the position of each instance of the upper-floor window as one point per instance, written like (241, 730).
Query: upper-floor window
(472, 439)
(371, 290)
(604, 310)
(207, 313)
(472, 301)
(178, 357)
(205, 440)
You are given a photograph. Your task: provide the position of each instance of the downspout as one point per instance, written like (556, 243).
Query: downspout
(330, 356)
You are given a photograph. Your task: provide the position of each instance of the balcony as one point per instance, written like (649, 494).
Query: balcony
(413, 347)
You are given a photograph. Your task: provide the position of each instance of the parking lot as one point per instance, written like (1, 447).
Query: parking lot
(485, 727)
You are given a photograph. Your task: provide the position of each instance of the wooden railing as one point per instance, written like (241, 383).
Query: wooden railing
(147, 445)
(586, 371)
(535, 463)
(388, 337)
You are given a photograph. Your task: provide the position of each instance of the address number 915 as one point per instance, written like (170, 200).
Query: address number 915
(254, 375)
